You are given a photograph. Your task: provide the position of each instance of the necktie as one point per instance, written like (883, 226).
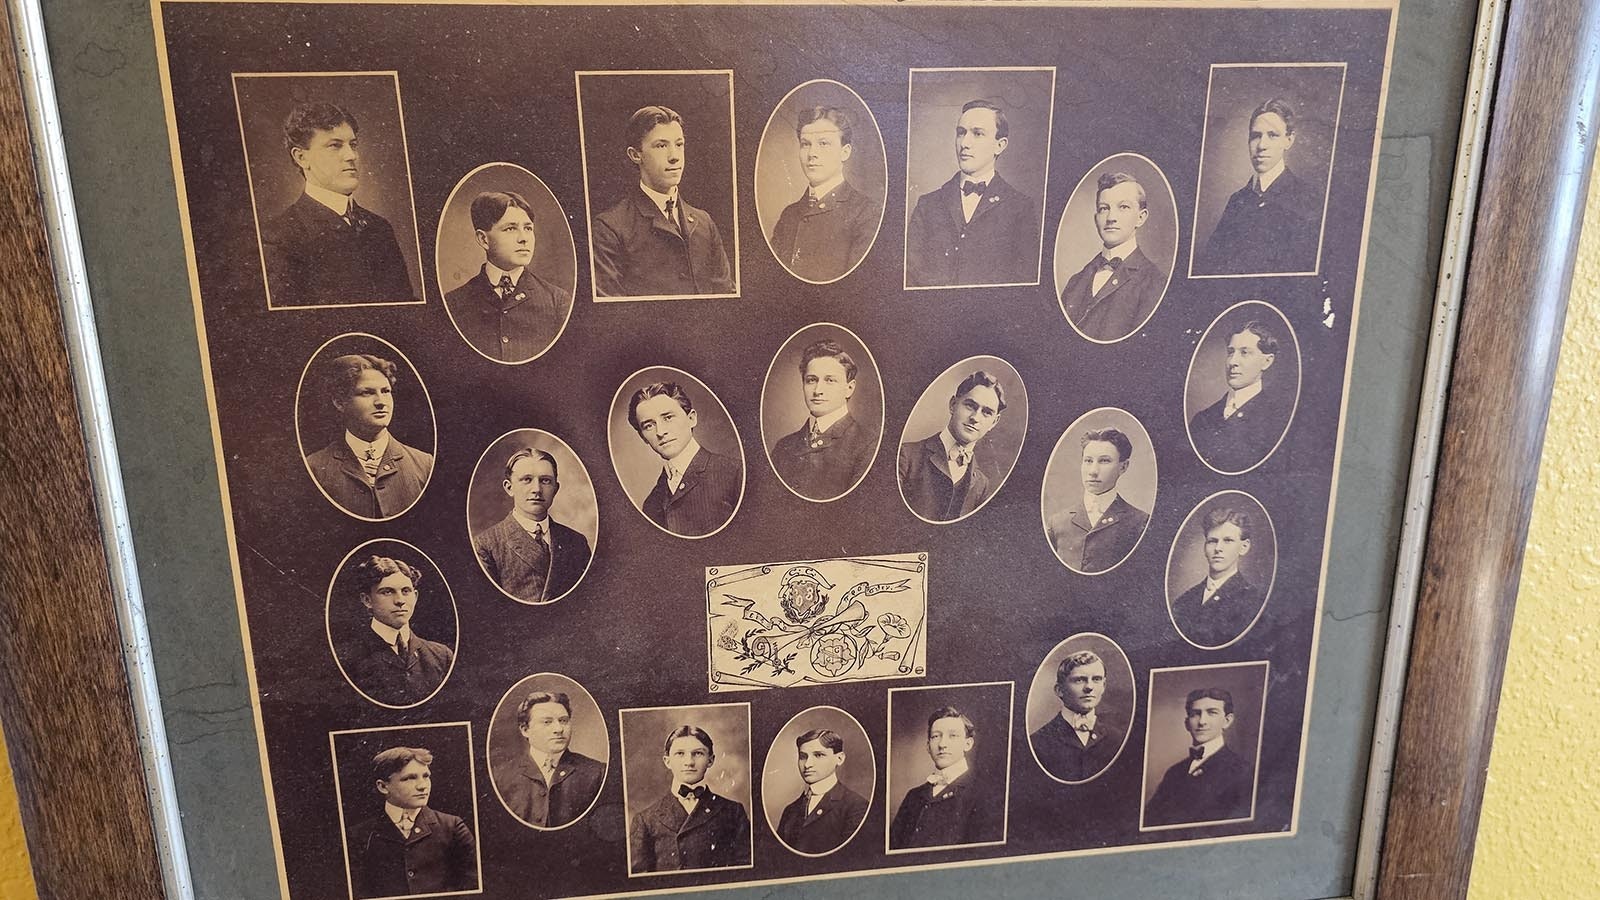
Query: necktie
(505, 286)
(960, 458)
(1229, 408)
(672, 215)
(1113, 263)
(400, 646)
(538, 537)
(1083, 726)
(1197, 753)
(349, 215)
(938, 778)
(696, 792)
(973, 187)
(407, 822)
(369, 463)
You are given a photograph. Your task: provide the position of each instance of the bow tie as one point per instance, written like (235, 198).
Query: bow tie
(960, 457)
(938, 778)
(697, 792)
(1197, 752)
(1083, 727)
(973, 187)
(1113, 263)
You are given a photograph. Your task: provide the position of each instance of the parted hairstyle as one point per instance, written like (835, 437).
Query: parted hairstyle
(306, 119)
(524, 453)
(823, 736)
(825, 113)
(1110, 436)
(831, 349)
(657, 389)
(1109, 180)
(387, 762)
(692, 731)
(646, 118)
(950, 712)
(1265, 339)
(981, 378)
(538, 697)
(490, 207)
(1002, 128)
(1222, 515)
(1209, 693)
(1278, 107)
(339, 379)
(1075, 661)
(366, 574)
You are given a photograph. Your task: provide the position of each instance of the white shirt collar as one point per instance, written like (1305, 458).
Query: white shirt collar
(986, 176)
(359, 447)
(951, 774)
(1122, 250)
(395, 812)
(1097, 504)
(950, 443)
(1208, 750)
(528, 523)
(827, 187)
(1072, 718)
(659, 198)
(389, 634)
(820, 424)
(493, 273)
(822, 787)
(680, 463)
(339, 203)
(545, 761)
(1243, 395)
(1215, 584)
(1265, 179)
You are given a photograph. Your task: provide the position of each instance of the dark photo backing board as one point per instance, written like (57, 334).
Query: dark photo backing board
(633, 632)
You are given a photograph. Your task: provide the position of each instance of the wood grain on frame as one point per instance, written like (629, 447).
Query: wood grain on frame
(1535, 175)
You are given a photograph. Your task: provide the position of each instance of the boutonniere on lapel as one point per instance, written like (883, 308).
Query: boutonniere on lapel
(520, 296)
(1109, 519)
(994, 198)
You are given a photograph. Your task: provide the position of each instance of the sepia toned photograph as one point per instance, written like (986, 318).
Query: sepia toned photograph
(365, 424)
(687, 788)
(1115, 248)
(392, 623)
(962, 439)
(1203, 745)
(549, 750)
(1099, 489)
(822, 177)
(677, 452)
(407, 804)
(533, 539)
(977, 160)
(1081, 709)
(660, 183)
(330, 181)
(825, 381)
(1243, 387)
(506, 263)
(819, 781)
(1266, 162)
(1220, 572)
(949, 768)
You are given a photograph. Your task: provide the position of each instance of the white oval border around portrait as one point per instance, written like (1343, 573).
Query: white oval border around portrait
(468, 514)
(1266, 596)
(882, 207)
(1172, 263)
(1299, 380)
(488, 754)
(744, 463)
(327, 621)
(1133, 711)
(1044, 515)
(871, 795)
(1010, 467)
(438, 241)
(299, 439)
(883, 419)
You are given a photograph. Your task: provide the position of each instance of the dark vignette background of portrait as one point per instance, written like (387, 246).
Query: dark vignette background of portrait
(385, 188)
(644, 737)
(1208, 378)
(574, 505)
(451, 772)
(1188, 564)
(1140, 485)
(320, 423)
(459, 255)
(1169, 692)
(1117, 706)
(781, 783)
(989, 706)
(434, 616)
(633, 631)
(1078, 238)
(783, 404)
(637, 466)
(590, 732)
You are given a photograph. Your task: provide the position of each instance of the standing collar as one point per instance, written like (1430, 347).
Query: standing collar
(339, 203)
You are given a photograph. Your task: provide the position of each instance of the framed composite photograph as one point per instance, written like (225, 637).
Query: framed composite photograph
(1056, 451)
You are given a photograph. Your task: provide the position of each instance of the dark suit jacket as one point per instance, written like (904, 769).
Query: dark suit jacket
(968, 811)
(1122, 305)
(439, 856)
(1220, 789)
(822, 241)
(314, 259)
(402, 475)
(575, 785)
(705, 500)
(1235, 444)
(1069, 759)
(508, 554)
(637, 253)
(384, 676)
(516, 329)
(925, 482)
(825, 829)
(1270, 232)
(999, 246)
(1092, 550)
(1226, 617)
(663, 838)
(828, 466)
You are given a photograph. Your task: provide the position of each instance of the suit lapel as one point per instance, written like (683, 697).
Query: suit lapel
(934, 449)
(992, 197)
(702, 815)
(691, 477)
(952, 201)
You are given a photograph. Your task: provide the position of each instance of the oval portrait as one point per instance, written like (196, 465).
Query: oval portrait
(392, 623)
(548, 751)
(1221, 568)
(1099, 489)
(962, 439)
(1115, 247)
(365, 425)
(676, 451)
(1243, 387)
(1081, 708)
(822, 412)
(821, 179)
(506, 263)
(532, 516)
(819, 781)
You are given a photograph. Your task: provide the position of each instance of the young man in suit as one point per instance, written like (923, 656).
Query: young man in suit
(529, 554)
(1100, 530)
(366, 471)
(830, 453)
(1224, 603)
(550, 786)
(698, 490)
(954, 805)
(507, 311)
(977, 229)
(410, 848)
(388, 661)
(1244, 426)
(1115, 293)
(1078, 744)
(690, 827)
(652, 243)
(325, 249)
(939, 476)
(824, 234)
(827, 813)
(1274, 223)
(1212, 783)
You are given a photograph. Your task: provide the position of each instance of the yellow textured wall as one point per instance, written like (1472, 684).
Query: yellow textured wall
(16, 877)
